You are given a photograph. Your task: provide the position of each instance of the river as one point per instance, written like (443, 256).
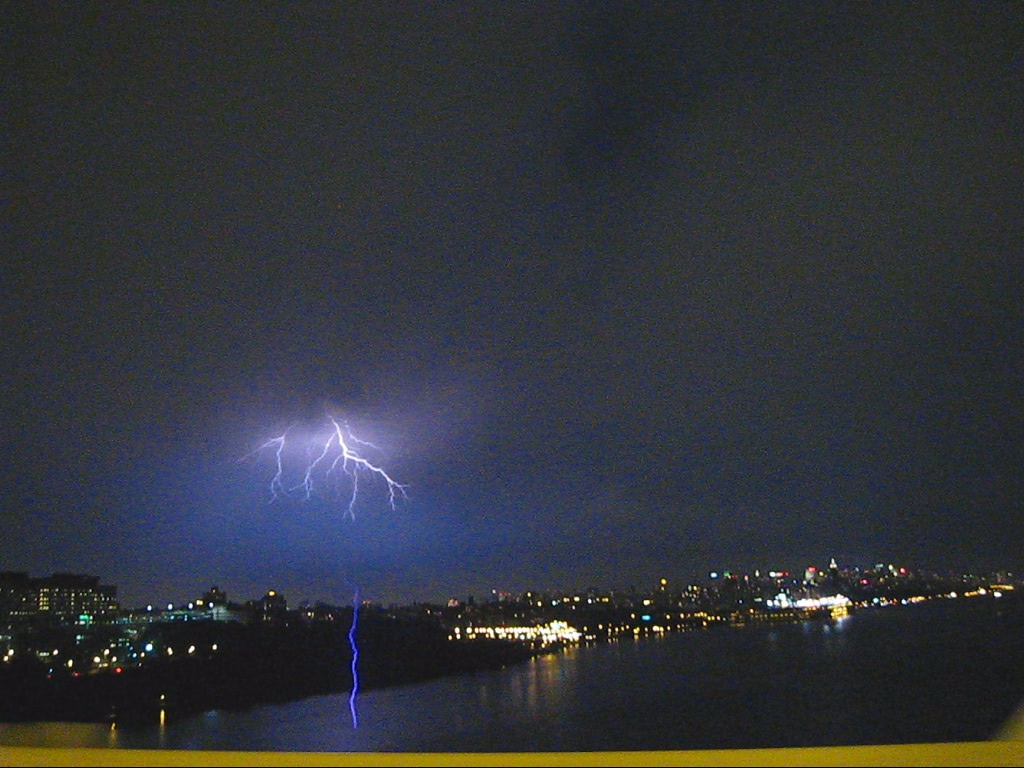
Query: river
(939, 671)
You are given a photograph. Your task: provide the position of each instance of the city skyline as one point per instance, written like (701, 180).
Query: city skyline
(807, 573)
(604, 287)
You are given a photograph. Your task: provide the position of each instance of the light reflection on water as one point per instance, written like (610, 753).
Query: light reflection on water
(77, 735)
(875, 677)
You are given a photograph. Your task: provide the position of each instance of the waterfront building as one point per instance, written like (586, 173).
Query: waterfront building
(63, 598)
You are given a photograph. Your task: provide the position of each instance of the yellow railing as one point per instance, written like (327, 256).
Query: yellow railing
(1006, 749)
(983, 753)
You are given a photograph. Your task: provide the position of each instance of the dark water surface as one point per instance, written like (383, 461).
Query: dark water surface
(941, 671)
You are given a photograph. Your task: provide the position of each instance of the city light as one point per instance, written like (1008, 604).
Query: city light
(553, 632)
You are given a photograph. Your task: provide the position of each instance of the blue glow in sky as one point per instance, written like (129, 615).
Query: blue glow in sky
(620, 292)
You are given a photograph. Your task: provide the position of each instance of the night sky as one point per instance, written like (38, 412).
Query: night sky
(619, 291)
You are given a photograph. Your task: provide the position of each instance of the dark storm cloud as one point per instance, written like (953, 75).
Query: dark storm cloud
(692, 281)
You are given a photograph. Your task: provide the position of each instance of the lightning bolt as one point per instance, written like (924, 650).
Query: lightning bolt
(332, 454)
(355, 659)
(276, 487)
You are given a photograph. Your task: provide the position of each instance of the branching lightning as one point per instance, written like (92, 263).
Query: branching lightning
(328, 456)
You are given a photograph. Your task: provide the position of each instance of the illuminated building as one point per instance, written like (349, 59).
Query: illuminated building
(271, 607)
(63, 597)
